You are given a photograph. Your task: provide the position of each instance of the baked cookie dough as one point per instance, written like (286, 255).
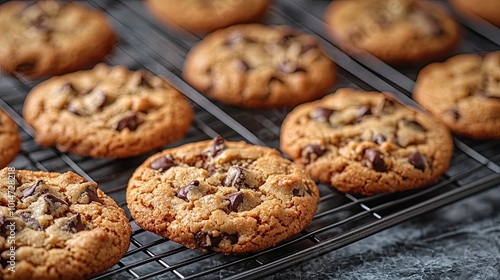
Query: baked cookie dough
(397, 32)
(259, 66)
(366, 142)
(58, 226)
(464, 93)
(230, 197)
(487, 9)
(107, 112)
(202, 16)
(45, 38)
(10, 140)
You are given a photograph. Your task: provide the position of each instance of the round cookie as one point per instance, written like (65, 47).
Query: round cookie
(10, 140)
(486, 9)
(397, 32)
(107, 112)
(366, 142)
(58, 226)
(45, 38)
(258, 66)
(230, 197)
(201, 16)
(464, 93)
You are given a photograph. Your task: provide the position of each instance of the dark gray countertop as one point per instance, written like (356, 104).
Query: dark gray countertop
(459, 241)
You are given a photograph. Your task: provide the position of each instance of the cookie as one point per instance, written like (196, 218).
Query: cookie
(107, 112)
(201, 16)
(486, 9)
(464, 93)
(57, 226)
(366, 143)
(258, 66)
(230, 197)
(397, 32)
(10, 140)
(45, 38)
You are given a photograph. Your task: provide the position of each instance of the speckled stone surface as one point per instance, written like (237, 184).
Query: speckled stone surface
(459, 241)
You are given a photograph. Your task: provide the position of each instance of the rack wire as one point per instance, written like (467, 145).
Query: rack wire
(341, 219)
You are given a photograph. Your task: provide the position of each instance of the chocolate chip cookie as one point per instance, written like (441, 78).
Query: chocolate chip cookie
(397, 32)
(44, 38)
(486, 9)
(230, 197)
(464, 93)
(10, 140)
(258, 66)
(201, 16)
(107, 112)
(366, 142)
(57, 226)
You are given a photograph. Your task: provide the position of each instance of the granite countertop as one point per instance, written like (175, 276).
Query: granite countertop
(458, 241)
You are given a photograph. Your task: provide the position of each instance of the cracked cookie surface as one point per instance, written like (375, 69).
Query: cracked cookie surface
(107, 112)
(397, 32)
(230, 197)
(464, 93)
(10, 140)
(45, 38)
(60, 225)
(366, 142)
(258, 66)
(201, 16)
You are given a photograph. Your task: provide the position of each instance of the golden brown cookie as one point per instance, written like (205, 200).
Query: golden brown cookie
(259, 66)
(397, 32)
(230, 197)
(489, 10)
(107, 112)
(10, 140)
(464, 93)
(366, 142)
(44, 38)
(201, 16)
(57, 226)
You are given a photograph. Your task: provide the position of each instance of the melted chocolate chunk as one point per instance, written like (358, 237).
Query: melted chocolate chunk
(417, 160)
(206, 241)
(3, 228)
(374, 160)
(378, 138)
(296, 192)
(74, 224)
(30, 221)
(312, 152)
(31, 189)
(183, 192)
(235, 200)
(92, 195)
(235, 177)
(130, 121)
(53, 203)
(163, 163)
(218, 146)
(321, 114)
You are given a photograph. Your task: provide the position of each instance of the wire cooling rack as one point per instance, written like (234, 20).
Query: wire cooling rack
(341, 218)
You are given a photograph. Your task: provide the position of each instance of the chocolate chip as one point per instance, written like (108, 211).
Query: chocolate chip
(378, 138)
(30, 222)
(3, 228)
(206, 241)
(235, 200)
(233, 238)
(163, 163)
(312, 152)
(363, 111)
(417, 160)
(210, 169)
(143, 82)
(130, 121)
(243, 66)
(25, 67)
(182, 193)
(235, 177)
(321, 114)
(92, 195)
(454, 113)
(287, 66)
(74, 224)
(218, 146)
(54, 203)
(296, 192)
(31, 189)
(374, 160)
(414, 125)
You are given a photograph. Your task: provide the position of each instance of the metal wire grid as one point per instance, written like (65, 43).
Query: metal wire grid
(340, 220)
